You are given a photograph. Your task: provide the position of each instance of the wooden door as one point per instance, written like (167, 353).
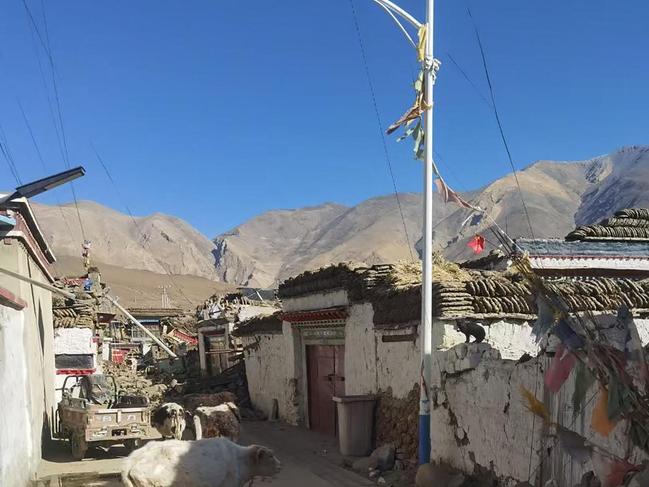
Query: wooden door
(326, 376)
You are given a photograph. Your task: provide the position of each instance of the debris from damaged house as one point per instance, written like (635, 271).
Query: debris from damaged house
(131, 382)
(216, 462)
(217, 345)
(80, 312)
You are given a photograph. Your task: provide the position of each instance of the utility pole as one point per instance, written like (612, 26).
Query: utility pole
(426, 326)
(164, 297)
(429, 68)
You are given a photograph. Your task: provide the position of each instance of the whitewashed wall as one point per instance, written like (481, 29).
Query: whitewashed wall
(480, 422)
(26, 370)
(398, 365)
(16, 445)
(512, 338)
(360, 351)
(270, 370)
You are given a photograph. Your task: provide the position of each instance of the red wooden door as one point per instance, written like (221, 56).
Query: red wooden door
(326, 375)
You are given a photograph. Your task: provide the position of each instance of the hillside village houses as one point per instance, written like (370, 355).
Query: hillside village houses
(352, 330)
(349, 330)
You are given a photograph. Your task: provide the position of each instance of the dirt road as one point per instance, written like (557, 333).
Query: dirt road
(307, 459)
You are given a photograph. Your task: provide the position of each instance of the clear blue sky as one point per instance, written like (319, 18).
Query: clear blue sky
(215, 111)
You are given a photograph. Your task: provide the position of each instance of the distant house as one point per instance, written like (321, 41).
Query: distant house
(615, 247)
(152, 319)
(220, 314)
(26, 344)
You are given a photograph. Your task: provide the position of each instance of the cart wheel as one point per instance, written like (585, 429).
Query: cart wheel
(133, 444)
(78, 446)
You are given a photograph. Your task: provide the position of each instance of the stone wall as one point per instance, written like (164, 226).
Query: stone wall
(397, 420)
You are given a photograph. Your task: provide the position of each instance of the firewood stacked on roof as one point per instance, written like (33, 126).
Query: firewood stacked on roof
(631, 224)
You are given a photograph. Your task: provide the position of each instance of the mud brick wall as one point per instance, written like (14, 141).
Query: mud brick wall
(397, 421)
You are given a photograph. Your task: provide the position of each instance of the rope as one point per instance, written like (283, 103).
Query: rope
(500, 127)
(380, 125)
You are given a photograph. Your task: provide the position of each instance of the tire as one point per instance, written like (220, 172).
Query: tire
(133, 444)
(78, 446)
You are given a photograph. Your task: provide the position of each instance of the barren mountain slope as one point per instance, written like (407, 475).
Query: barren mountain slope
(281, 243)
(255, 252)
(557, 195)
(152, 243)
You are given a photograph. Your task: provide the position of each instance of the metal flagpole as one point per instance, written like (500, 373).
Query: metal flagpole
(426, 326)
(426, 342)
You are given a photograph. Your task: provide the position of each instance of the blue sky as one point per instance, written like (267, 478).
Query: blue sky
(218, 111)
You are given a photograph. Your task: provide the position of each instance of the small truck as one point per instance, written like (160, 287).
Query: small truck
(93, 413)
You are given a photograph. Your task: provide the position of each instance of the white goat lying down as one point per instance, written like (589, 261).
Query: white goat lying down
(218, 421)
(212, 462)
(169, 420)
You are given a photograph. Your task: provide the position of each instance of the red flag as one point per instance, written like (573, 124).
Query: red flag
(477, 244)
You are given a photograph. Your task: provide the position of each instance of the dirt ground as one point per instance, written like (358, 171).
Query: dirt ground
(307, 459)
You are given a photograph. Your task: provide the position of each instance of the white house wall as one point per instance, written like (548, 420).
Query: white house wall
(26, 369)
(16, 445)
(398, 365)
(360, 351)
(479, 418)
(271, 373)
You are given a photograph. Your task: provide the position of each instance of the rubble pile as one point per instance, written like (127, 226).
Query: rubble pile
(396, 423)
(133, 383)
(229, 386)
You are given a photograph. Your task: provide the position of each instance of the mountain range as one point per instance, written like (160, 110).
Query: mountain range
(277, 244)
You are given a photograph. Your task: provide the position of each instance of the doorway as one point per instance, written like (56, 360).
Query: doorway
(326, 378)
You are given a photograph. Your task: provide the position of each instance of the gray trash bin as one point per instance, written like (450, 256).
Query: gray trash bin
(355, 424)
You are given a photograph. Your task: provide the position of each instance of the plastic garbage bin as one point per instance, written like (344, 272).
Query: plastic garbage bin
(355, 424)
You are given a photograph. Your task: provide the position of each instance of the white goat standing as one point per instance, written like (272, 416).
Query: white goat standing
(212, 462)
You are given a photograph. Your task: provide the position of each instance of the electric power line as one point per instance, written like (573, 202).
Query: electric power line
(48, 51)
(380, 126)
(497, 116)
(40, 158)
(8, 157)
(466, 77)
(140, 233)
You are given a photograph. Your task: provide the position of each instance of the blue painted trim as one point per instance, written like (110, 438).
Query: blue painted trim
(424, 439)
